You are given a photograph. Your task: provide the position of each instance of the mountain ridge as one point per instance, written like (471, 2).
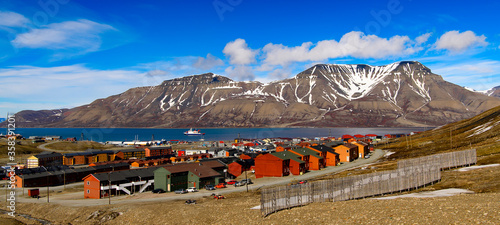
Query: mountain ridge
(404, 93)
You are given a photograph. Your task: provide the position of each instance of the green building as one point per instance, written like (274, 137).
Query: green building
(185, 175)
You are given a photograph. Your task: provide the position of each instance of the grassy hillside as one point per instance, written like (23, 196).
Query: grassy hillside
(480, 132)
(77, 146)
(24, 149)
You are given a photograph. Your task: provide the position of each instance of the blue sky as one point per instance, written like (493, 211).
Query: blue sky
(63, 53)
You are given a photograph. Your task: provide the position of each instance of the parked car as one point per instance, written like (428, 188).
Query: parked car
(247, 181)
(209, 187)
(231, 182)
(237, 184)
(302, 182)
(180, 191)
(158, 191)
(192, 189)
(220, 185)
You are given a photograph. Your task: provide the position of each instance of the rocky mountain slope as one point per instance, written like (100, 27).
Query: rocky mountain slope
(495, 92)
(399, 94)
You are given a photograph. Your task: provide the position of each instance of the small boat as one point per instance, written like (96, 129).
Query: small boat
(193, 132)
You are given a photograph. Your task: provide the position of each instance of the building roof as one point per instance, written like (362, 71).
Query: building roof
(76, 154)
(223, 161)
(48, 155)
(99, 151)
(127, 175)
(350, 146)
(361, 143)
(306, 151)
(159, 147)
(199, 169)
(130, 150)
(334, 143)
(324, 148)
(287, 155)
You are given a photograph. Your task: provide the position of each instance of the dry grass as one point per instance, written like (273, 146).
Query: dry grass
(24, 149)
(452, 137)
(77, 145)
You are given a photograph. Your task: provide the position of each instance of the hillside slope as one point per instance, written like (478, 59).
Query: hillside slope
(481, 132)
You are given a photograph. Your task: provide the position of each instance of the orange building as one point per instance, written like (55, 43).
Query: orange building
(331, 157)
(347, 152)
(157, 151)
(92, 187)
(363, 149)
(315, 161)
(281, 148)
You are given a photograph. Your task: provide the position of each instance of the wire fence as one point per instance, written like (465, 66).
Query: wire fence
(413, 174)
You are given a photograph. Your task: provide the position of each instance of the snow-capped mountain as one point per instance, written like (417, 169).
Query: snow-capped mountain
(399, 94)
(495, 92)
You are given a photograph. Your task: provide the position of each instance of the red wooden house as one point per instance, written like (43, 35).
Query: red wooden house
(297, 166)
(269, 165)
(236, 168)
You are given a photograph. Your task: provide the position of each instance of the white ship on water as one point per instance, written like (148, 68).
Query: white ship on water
(192, 132)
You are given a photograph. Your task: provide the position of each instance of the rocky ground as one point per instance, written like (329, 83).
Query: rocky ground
(462, 209)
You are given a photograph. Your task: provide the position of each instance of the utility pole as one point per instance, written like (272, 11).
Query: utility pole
(451, 139)
(109, 193)
(64, 182)
(47, 180)
(246, 178)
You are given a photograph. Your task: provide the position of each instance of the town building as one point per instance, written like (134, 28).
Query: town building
(347, 152)
(185, 175)
(296, 165)
(44, 159)
(315, 161)
(269, 165)
(331, 157)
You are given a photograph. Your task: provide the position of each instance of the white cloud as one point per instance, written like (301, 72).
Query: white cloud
(12, 19)
(240, 73)
(239, 53)
(423, 38)
(209, 62)
(280, 74)
(454, 41)
(81, 35)
(63, 86)
(353, 44)
(477, 74)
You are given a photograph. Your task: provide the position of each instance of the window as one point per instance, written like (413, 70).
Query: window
(88, 182)
(88, 191)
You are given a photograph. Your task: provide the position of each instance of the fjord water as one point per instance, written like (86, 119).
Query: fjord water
(211, 134)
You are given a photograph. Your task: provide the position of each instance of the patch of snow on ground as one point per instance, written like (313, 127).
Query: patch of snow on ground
(465, 169)
(388, 154)
(483, 128)
(431, 194)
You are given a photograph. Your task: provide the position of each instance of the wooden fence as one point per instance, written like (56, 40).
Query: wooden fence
(444, 160)
(410, 175)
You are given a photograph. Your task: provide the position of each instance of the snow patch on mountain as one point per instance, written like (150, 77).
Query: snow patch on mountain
(355, 81)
